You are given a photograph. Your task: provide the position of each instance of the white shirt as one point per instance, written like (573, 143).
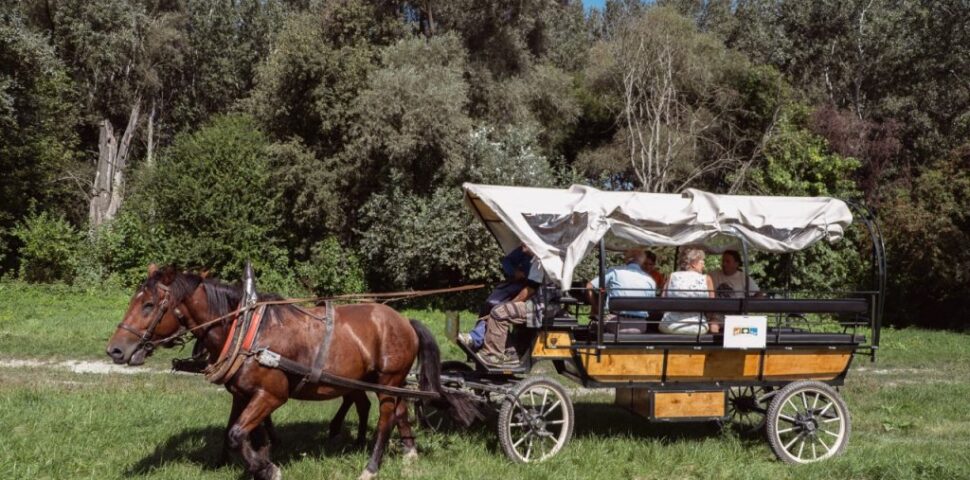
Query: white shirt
(731, 286)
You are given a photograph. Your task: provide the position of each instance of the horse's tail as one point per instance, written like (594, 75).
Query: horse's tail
(462, 406)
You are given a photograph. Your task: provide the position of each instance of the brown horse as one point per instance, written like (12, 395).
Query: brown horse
(369, 342)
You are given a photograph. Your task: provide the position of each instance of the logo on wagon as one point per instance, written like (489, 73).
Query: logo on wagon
(753, 331)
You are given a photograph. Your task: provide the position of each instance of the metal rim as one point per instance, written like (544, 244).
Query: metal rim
(744, 411)
(540, 423)
(810, 425)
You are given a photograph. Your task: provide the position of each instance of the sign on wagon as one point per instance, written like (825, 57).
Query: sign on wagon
(745, 331)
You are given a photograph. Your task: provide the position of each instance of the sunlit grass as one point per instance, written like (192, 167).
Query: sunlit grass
(908, 410)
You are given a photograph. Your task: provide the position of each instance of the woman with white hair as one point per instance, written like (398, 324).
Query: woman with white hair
(688, 282)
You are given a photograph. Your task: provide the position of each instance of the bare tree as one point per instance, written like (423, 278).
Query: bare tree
(109, 179)
(666, 89)
(677, 114)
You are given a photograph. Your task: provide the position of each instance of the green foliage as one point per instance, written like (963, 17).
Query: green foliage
(411, 113)
(306, 85)
(331, 270)
(38, 144)
(209, 202)
(117, 253)
(50, 248)
(928, 228)
(798, 163)
(414, 240)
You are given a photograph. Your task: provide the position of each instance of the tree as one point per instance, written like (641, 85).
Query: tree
(39, 154)
(667, 85)
(209, 201)
(927, 228)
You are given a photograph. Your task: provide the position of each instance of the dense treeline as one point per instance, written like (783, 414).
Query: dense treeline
(327, 140)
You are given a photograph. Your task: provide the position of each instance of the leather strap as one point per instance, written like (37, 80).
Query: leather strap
(316, 371)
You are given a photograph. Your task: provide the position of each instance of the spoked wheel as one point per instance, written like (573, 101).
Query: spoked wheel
(744, 413)
(434, 414)
(807, 422)
(536, 421)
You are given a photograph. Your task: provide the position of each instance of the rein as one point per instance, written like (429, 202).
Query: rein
(146, 341)
(145, 338)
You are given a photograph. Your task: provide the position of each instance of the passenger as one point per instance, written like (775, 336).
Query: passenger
(525, 308)
(729, 283)
(729, 280)
(650, 266)
(689, 282)
(628, 280)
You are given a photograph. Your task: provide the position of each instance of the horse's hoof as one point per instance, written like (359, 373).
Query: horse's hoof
(271, 472)
(367, 475)
(411, 455)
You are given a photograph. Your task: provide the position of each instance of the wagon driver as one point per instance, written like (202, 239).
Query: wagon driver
(524, 308)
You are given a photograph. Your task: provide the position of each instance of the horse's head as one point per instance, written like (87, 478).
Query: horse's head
(151, 316)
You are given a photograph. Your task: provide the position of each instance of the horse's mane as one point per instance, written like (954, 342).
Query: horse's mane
(221, 298)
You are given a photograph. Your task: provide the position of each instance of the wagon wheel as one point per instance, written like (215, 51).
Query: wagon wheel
(536, 420)
(807, 422)
(434, 415)
(744, 412)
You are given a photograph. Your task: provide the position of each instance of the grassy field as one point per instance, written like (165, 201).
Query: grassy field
(910, 416)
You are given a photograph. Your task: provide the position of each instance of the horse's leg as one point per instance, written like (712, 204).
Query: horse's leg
(387, 405)
(238, 403)
(258, 463)
(337, 424)
(271, 430)
(363, 412)
(404, 428)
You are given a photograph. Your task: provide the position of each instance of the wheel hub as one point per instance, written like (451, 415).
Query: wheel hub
(807, 423)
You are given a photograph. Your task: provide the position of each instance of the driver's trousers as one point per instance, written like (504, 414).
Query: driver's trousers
(500, 319)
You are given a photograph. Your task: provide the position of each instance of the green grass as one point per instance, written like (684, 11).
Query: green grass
(909, 412)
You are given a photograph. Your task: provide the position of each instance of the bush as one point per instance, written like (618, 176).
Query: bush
(209, 203)
(116, 254)
(50, 248)
(331, 270)
(926, 225)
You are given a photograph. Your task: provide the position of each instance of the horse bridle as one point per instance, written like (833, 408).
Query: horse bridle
(145, 337)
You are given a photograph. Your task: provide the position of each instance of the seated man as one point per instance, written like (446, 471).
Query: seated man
(525, 308)
(628, 280)
(515, 268)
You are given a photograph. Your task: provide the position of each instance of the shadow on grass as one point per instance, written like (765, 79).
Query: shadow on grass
(203, 446)
(598, 420)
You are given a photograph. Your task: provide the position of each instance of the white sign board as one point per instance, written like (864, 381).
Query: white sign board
(744, 331)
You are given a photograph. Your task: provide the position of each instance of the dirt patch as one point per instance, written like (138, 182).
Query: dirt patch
(78, 366)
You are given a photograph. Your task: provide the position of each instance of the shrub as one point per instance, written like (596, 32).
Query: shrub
(209, 202)
(331, 270)
(50, 248)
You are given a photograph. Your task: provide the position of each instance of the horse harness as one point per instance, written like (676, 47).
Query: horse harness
(145, 337)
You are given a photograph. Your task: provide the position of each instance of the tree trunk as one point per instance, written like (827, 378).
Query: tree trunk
(150, 147)
(109, 178)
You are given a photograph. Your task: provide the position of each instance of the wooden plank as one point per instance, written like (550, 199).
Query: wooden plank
(552, 345)
(688, 404)
(691, 366)
(622, 365)
(806, 364)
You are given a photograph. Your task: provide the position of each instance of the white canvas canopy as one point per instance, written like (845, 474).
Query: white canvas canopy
(560, 226)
